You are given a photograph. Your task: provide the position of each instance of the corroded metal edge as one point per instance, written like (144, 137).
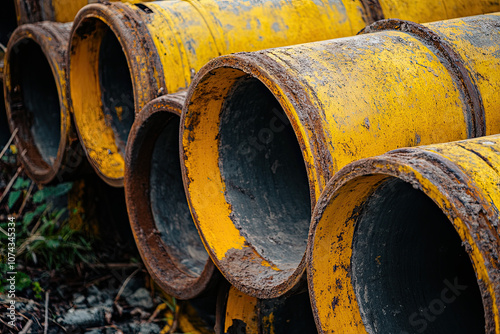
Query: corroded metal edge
(450, 59)
(144, 133)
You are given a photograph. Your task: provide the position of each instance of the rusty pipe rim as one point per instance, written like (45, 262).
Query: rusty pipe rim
(114, 71)
(341, 256)
(164, 232)
(249, 262)
(36, 101)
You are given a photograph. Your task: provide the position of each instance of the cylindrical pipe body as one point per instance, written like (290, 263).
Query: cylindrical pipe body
(157, 48)
(240, 313)
(36, 101)
(123, 55)
(31, 11)
(165, 233)
(435, 211)
(263, 132)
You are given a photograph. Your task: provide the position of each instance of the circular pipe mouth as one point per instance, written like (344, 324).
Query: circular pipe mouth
(261, 163)
(254, 173)
(408, 262)
(102, 97)
(116, 87)
(106, 77)
(164, 230)
(34, 105)
(388, 251)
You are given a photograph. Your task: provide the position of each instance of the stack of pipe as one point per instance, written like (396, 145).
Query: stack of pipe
(225, 159)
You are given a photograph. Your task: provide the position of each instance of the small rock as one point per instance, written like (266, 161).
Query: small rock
(144, 328)
(132, 286)
(140, 298)
(78, 299)
(92, 300)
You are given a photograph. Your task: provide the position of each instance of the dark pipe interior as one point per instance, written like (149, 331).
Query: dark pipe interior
(265, 176)
(8, 21)
(291, 315)
(116, 89)
(410, 271)
(36, 97)
(169, 204)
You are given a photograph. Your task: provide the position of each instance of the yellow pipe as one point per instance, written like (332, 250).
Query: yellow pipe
(35, 90)
(240, 313)
(441, 205)
(263, 132)
(31, 11)
(158, 47)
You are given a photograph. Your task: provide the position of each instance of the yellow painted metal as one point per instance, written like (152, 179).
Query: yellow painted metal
(31, 11)
(241, 309)
(65, 11)
(346, 99)
(460, 34)
(178, 37)
(461, 178)
(240, 313)
(435, 10)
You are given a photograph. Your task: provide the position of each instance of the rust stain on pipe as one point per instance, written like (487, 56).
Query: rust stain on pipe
(36, 101)
(329, 103)
(156, 48)
(164, 231)
(434, 209)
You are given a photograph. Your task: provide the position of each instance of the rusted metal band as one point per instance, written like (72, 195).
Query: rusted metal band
(52, 38)
(468, 205)
(137, 42)
(305, 110)
(156, 253)
(373, 11)
(451, 60)
(146, 47)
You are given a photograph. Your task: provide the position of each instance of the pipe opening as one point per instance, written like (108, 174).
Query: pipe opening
(8, 21)
(35, 105)
(410, 272)
(116, 87)
(265, 177)
(169, 205)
